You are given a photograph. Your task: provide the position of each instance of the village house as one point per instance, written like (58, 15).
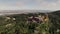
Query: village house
(39, 18)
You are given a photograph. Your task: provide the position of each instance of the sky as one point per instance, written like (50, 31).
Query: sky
(30, 4)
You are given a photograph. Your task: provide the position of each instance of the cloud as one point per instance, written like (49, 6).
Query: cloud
(29, 4)
(48, 5)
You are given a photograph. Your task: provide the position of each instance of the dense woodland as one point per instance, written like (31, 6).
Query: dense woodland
(31, 23)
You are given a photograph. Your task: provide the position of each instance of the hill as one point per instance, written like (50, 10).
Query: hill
(31, 23)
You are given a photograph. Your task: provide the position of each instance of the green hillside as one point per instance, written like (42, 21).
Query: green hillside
(41, 23)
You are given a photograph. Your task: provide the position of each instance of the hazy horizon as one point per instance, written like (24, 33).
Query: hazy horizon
(8, 12)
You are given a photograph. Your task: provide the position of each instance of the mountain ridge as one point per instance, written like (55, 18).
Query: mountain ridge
(3, 12)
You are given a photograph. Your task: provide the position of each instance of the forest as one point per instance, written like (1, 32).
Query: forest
(31, 23)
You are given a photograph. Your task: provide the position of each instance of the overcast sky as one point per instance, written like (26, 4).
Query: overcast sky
(29, 4)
